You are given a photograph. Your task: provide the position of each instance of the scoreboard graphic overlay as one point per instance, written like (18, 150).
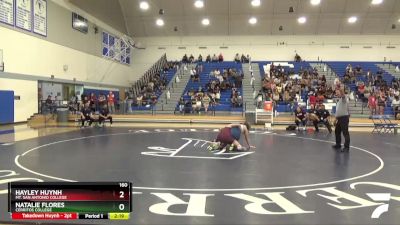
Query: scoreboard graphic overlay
(70, 201)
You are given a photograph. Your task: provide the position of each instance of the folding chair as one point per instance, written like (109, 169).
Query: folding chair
(389, 126)
(379, 124)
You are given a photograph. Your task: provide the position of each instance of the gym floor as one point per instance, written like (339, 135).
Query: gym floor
(290, 178)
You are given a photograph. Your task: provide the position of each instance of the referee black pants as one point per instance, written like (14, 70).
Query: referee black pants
(342, 126)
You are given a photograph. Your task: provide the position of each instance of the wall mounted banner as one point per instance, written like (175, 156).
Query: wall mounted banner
(23, 14)
(40, 17)
(7, 12)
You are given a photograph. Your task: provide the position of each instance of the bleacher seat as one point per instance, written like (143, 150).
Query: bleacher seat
(225, 101)
(283, 107)
(340, 69)
(169, 75)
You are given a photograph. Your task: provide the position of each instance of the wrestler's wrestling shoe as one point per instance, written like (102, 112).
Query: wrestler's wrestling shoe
(214, 146)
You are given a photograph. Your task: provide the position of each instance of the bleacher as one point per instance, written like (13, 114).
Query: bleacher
(297, 66)
(225, 101)
(340, 69)
(169, 75)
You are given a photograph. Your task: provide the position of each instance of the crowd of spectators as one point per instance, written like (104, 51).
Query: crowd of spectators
(242, 59)
(214, 58)
(373, 91)
(149, 92)
(285, 87)
(87, 115)
(209, 59)
(95, 102)
(228, 79)
(90, 107)
(316, 114)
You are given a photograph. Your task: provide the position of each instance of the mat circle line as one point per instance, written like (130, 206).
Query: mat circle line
(380, 167)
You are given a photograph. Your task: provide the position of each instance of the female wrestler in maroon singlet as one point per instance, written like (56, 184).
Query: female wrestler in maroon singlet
(230, 135)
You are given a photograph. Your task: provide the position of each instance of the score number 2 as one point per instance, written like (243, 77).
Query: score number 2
(122, 195)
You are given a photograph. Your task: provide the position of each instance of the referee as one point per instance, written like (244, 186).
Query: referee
(342, 122)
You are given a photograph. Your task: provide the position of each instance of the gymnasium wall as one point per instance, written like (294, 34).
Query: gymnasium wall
(31, 54)
(261, 48)
(28, 91)
(64, 53)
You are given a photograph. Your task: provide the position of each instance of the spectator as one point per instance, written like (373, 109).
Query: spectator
(104, 115)
(85, 100)
(243, 59)
(56, 102)
(252, 79)
(129, 101)
(206, 101)
(275, 96)
(214, 59)
(199, 68)
(381, 103)
(102, 100)
(196, 104)
(220, 58)
(185, 59)
(237, 58)
(86, 115)
(312, 115)
(395, 106)
(218, 97)
(361, 91)
(297, 58)
(323, 116)
(200, 58)
(192, 72)
(111, 101)
(50, 104)
(168, 94)
(300, 118)
(188, 107)
(208, 59)
(372, 104)
(196, 77)
(240, 100)
(320, 98)
(93, 102)
(191, 59)
(181, 105)
(139, 100)
(312, 99)
(248, 59)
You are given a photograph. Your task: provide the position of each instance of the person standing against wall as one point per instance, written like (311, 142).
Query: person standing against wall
(129, 101)
(110, 101)
(342, 121)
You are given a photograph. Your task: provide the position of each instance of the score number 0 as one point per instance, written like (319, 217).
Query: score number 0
(122, 195)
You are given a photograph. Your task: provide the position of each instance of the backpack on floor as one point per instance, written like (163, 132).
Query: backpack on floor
(291, 128)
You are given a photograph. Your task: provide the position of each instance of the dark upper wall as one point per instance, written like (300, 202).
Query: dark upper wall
(105, 10)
